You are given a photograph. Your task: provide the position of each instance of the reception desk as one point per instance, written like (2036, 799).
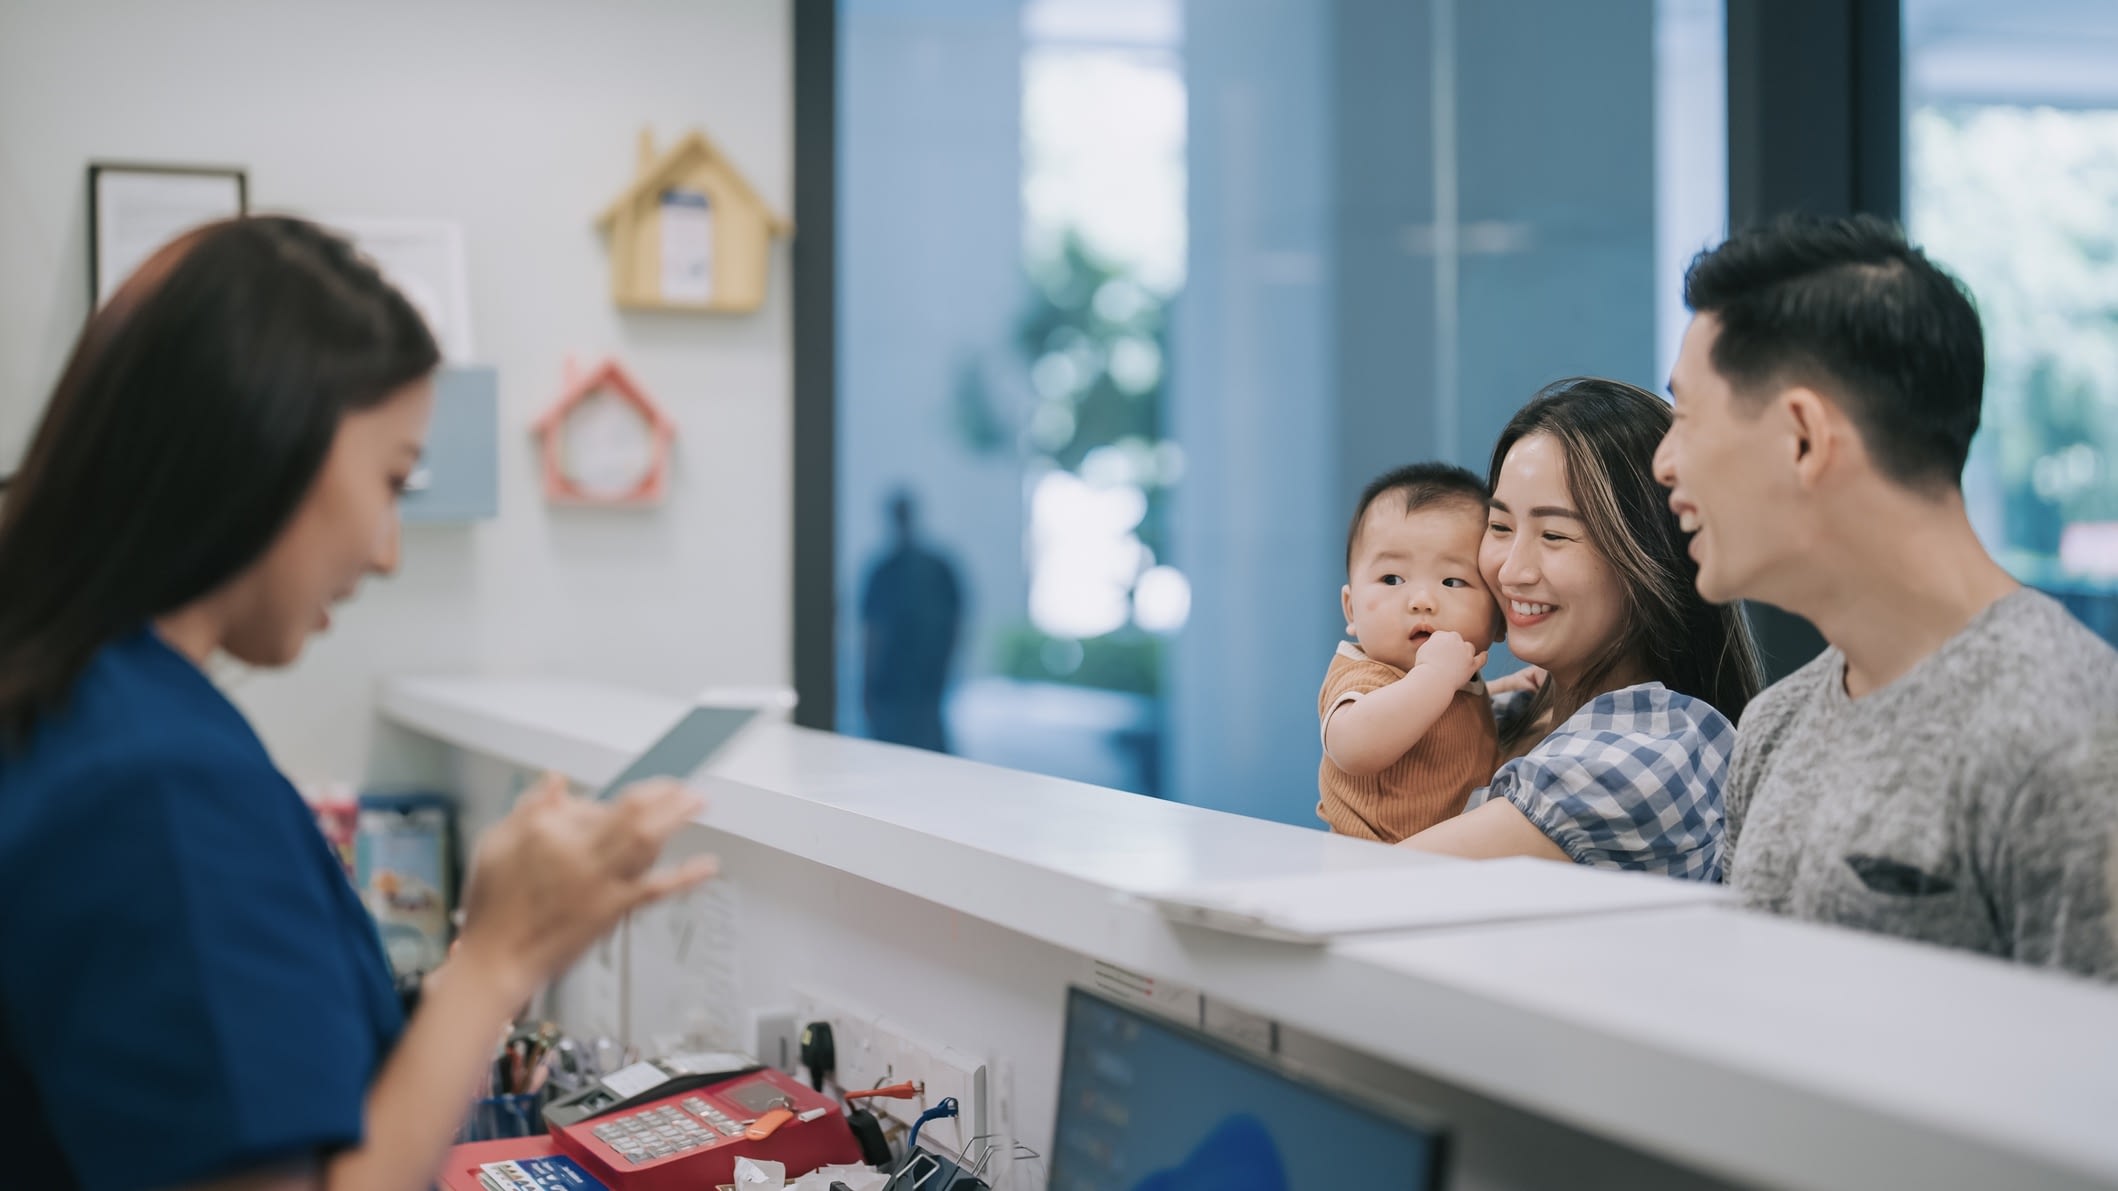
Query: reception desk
(1670, 1047)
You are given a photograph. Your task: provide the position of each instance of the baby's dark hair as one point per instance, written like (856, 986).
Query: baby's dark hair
(1419, 485)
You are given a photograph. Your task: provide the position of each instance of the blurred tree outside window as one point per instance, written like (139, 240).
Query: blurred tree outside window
(2011, 127)
(1103, 258)
(2022, 204)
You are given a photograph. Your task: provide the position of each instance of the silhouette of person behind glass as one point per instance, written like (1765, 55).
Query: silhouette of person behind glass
(910, 607)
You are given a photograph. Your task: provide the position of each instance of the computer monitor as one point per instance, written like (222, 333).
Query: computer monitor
(1149, 1105)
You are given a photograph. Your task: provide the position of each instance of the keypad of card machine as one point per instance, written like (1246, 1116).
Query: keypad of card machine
(654, 1133)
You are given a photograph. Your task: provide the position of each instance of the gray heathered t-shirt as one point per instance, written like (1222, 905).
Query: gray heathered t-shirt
(1972, 803)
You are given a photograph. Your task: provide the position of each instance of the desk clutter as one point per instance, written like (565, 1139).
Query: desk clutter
(680, 1122)
(1143, 1101)
(561, 1114)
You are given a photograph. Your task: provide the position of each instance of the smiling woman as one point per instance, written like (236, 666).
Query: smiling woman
(1619, 758)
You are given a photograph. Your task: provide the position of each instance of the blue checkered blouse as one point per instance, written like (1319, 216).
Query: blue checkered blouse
(1633, 780)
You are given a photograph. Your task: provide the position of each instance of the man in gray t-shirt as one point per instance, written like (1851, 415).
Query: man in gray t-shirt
(1966, 804)
(1948, 770)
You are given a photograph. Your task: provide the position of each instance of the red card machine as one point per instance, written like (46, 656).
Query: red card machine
(688, 1140)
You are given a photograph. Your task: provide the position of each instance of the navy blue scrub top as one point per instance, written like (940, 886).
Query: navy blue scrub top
(189, 987)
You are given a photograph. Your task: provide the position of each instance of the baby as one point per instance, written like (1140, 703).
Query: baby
(1407, 725)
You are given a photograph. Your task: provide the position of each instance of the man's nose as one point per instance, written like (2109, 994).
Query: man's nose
(1665, 460)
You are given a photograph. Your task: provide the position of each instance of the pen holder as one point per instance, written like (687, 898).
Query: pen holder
(494, 1117)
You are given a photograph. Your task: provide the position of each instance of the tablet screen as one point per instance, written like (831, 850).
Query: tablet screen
(684, 748)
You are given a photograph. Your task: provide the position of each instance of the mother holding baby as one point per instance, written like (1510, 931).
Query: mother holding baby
(1618, 758)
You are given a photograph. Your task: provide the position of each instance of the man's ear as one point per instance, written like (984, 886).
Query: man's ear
(1816, 433)
(1345, 605)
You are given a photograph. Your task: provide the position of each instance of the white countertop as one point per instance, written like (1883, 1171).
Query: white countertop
(1764, 1050)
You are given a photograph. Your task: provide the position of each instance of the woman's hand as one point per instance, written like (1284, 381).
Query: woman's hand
(559, 871)
(1529, 678)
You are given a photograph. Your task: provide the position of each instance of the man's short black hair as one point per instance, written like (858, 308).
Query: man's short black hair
(1846, 306)
(1418, 485)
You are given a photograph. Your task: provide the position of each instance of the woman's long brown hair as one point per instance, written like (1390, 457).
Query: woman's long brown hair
(191, 421)
(1608, 431)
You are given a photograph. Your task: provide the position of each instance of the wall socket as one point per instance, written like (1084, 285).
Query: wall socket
(777, 1034)
(873, 1051)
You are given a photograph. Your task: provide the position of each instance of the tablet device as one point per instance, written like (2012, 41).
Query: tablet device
(684, 748)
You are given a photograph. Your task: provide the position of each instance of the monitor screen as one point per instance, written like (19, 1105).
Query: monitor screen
(1149, 1105)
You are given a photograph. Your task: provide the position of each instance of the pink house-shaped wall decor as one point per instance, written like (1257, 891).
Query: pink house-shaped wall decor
(604, 441)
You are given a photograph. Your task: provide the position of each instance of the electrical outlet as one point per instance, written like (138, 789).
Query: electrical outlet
(863, 1054)
(858, 1063)
(776, 1038)
(873, 1051)
(943, 1073)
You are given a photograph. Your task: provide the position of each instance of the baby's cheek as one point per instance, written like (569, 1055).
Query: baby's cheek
(1496, 621)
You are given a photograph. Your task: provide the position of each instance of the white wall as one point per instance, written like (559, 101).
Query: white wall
(517, 118)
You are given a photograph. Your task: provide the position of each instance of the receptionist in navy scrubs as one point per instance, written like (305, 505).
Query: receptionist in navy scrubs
(191, 995)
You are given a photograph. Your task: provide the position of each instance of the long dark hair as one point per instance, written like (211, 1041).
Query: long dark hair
(191, 421)
(1609, 431)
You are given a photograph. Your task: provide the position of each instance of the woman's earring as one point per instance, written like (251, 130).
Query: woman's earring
(1350, 631)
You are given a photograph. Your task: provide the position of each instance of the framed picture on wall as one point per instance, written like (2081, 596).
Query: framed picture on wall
(424, 259)
(134, 209)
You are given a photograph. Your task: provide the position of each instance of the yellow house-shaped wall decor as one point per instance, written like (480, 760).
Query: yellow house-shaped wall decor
(690, 233)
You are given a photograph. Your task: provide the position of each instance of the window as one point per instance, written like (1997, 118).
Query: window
(2012, 163)
(1135, 295)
